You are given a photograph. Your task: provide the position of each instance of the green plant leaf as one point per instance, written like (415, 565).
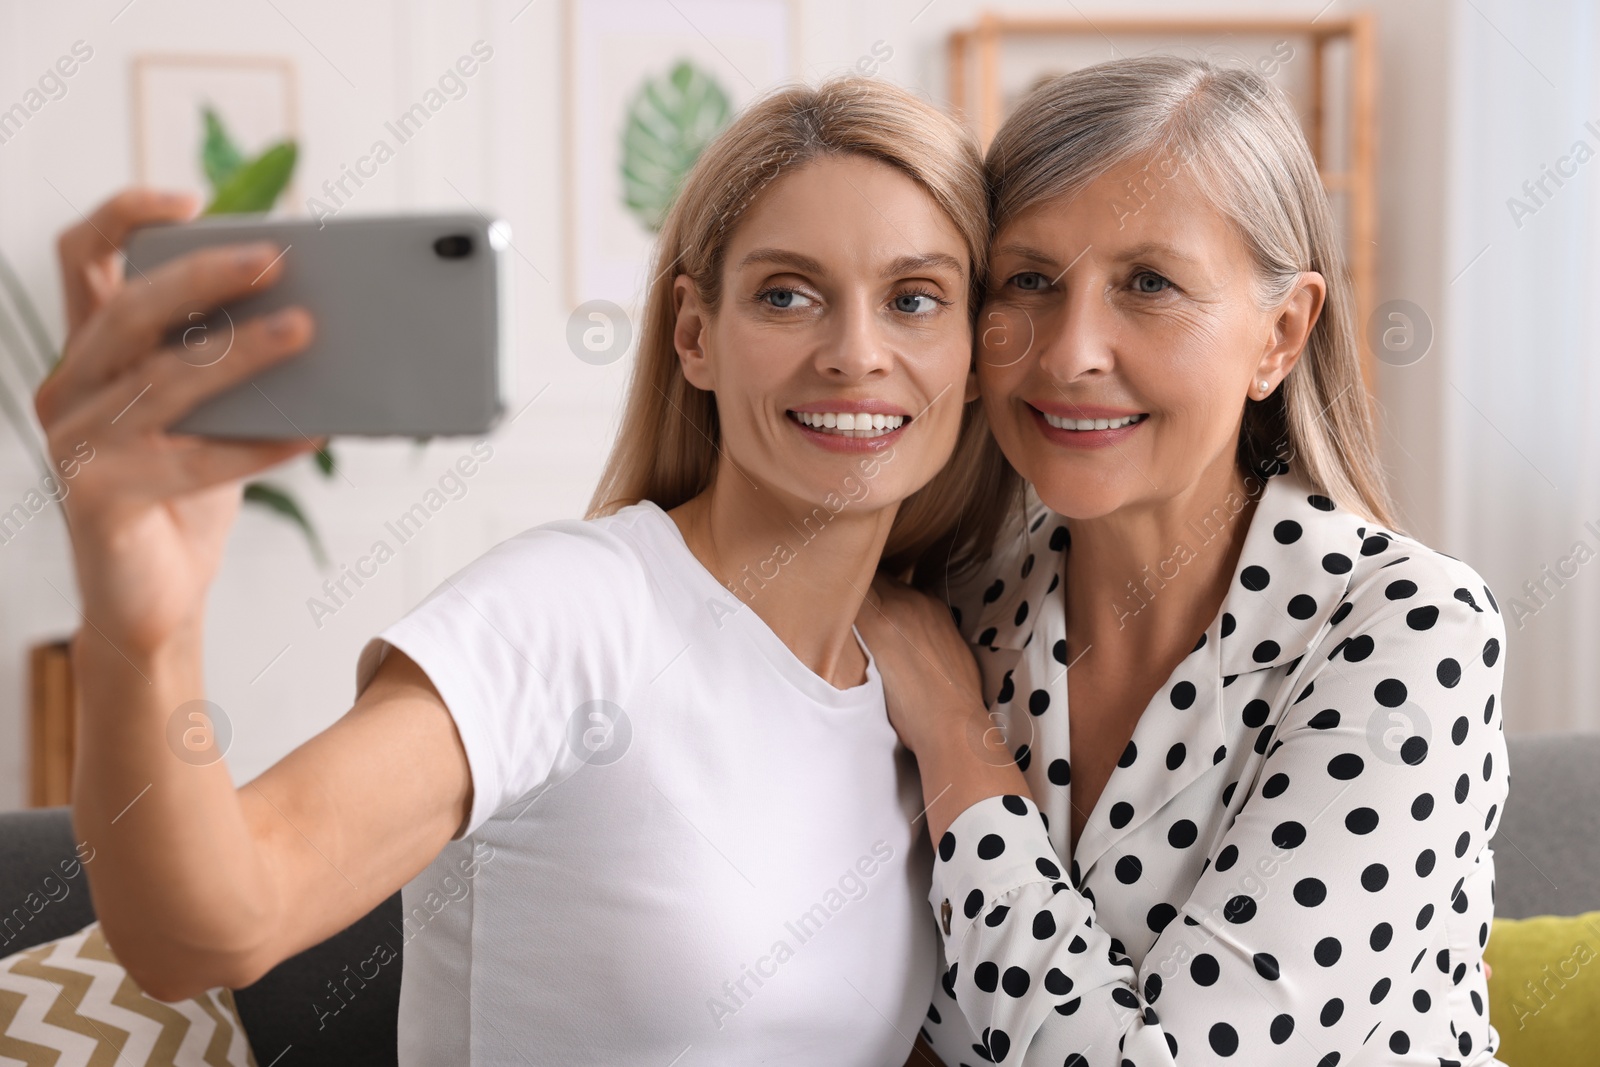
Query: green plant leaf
(669, 122)
(324, 458)
(255, 185)
(219, 156)
(279, 502)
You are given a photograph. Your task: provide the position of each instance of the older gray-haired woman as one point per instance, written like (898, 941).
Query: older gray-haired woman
(1242, 755)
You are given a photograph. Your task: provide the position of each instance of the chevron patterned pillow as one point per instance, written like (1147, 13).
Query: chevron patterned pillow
(69, 1003)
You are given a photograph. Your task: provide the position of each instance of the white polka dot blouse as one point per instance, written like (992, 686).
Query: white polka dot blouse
(1290, 863)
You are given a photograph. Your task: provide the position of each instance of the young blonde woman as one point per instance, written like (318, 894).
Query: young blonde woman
(1232, 799)
(633, 772)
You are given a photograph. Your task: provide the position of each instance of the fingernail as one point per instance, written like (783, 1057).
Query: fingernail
(254, 255)
(280, 323)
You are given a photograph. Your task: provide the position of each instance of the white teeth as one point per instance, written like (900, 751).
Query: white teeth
(850, 424)
(1091, 424)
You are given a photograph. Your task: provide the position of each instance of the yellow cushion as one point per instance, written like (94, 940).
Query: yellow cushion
(69, 1003)
(1544, 992)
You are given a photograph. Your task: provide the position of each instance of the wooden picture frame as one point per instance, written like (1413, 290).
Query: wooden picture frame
(608, 48)
(257, 96)
(1340, 127)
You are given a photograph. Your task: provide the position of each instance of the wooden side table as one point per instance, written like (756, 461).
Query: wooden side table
(52, 724)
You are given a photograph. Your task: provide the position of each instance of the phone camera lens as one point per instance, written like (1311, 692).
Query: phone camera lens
(455, 246)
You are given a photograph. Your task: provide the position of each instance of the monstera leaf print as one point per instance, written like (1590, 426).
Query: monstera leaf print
(670, 121)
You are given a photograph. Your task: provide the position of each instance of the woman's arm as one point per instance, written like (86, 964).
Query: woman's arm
(1316, 907)
(198, 884)
(935, 702)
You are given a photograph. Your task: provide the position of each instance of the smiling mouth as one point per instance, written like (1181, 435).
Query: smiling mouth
(1093, 424)
(848, 424)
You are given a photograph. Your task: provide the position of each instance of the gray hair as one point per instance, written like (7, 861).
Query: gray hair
(1237, 134)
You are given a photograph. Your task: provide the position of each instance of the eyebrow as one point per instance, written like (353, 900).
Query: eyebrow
(902, 265)
(1138, 251)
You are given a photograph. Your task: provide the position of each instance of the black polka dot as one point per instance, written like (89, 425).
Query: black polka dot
(1047, 868)
(1057, 983)
(1491, 651)
(1400, 590)
(1345, 766)
(1129, 868)
(1287, 532)
(1361, 821)
(1413, 751)
(1449, 673)
(1274, 786)
(1422, 618)
(1391, 692)
(1325, 719)
(947, 846)
(1183, 695)
(1060, 772)
(1015, 982)
(1382, 934)
(1302, 606)
(1255, 713)
(1227, 858)
(1422, 807)
(1327, 951)
(1374, 877)
(1254, 578)
(1129, 754)
(1204, 970)
(1425, 861)
(1336, 563)
(1224, 1039)
(1121, 814)
(1239, 909)
(974, 903)
(1310, 892)
(1320, 502)
(1159, 916)
(1288, 834)
(1332, 1011)
(991, 846)
(1265, 652)
(1182, 834)
(1379, 991)
(1282, 1029)
(1266, 965)
(1175, 756)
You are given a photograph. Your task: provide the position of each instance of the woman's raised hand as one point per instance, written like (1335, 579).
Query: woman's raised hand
(149, 511)
(935, 698)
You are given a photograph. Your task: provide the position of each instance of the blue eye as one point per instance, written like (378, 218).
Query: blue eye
(1030, 280)
(1149, 276)
(783, 299)
(915, 303)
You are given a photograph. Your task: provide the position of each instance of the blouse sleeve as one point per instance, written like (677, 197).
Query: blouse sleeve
(1329, 884)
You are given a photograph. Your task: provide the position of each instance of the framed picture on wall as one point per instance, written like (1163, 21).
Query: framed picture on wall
(194, 116)
(648, 85)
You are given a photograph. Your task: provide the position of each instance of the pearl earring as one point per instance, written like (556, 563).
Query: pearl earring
(1262, 385)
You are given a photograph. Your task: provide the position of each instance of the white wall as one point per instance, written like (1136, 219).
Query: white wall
(499, 147)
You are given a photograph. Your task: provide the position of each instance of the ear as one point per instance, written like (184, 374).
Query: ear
(689, 334)
(1292, 327)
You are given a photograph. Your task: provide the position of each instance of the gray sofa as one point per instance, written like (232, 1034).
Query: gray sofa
(1547, 860)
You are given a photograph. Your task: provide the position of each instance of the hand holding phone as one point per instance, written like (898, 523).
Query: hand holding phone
(413, 325)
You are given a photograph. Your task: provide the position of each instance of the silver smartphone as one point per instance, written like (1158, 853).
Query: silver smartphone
(412, 334)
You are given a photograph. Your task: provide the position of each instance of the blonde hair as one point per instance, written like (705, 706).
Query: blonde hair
(669, 443)
(1239, 135)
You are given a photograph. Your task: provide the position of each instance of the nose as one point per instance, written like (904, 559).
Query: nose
(1079, 342)
(858, 348)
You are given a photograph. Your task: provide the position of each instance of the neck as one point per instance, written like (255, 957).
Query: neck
(803, 569)
(1147, 580)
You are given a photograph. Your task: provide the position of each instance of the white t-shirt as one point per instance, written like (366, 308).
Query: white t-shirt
(685, 847)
